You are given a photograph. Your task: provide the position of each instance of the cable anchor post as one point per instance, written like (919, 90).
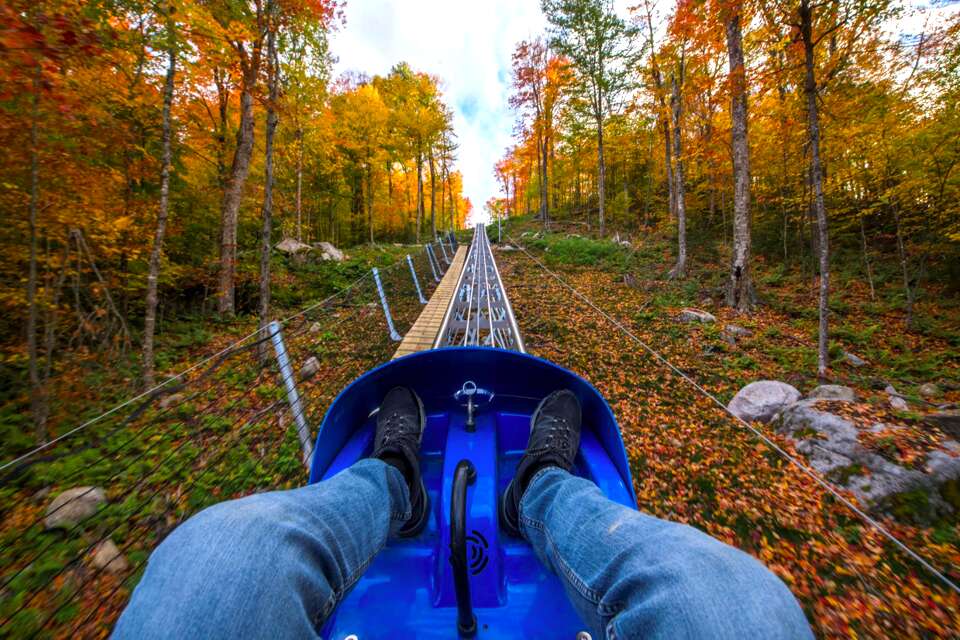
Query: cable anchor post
(293, 398)
(416, 283)
(431, 258)
(396, 337)
(443, 249)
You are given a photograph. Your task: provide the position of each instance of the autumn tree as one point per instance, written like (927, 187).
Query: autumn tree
(601, 50)
(150, 313)
(740, 288)
(530, 60)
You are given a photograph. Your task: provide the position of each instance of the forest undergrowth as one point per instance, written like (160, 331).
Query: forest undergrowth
(222, 431)
(693, 463)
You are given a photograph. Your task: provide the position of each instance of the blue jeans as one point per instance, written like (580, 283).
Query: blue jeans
(276, 564)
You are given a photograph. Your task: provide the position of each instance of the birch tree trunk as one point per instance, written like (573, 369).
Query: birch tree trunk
(680, 268)
(233, 194)
(740, 288)
(150, 314)
(816, 177)
(266, 212)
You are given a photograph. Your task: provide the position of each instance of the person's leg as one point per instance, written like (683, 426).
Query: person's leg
(276, 564)
(630, 575)
(268, 565)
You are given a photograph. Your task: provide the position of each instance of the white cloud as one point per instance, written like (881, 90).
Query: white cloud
(467, 44)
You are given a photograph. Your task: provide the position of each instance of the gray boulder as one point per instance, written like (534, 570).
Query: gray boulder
(836, 392)
(899, 404)
(854, 361)
(329, 252)
(696, 315)
(762, 400)
(737, 331)
(929, 390)
(831, 445)
(309, 368)
(72, 506)
(292, 246)
(107, 557)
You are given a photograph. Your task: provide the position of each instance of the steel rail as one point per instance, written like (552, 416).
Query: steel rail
(479, 312)
(508, 308)
(444, 326)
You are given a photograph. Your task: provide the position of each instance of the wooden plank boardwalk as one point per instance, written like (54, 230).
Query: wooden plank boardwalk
(424, 330)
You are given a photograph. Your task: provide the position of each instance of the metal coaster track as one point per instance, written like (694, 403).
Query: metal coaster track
(479, 313)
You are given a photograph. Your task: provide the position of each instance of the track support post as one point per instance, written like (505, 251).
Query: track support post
(293, 398)
(434, 263)
(443, 249)
(416, 283)
(396, 337)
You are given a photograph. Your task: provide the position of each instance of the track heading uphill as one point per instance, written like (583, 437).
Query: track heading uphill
(479, 313)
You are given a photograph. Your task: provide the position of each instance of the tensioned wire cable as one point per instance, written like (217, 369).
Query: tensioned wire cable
(231, 434)
(196, 365)
(770, 443)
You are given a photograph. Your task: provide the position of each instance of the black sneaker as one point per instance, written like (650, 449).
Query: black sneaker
(400, 423)
(554, 441)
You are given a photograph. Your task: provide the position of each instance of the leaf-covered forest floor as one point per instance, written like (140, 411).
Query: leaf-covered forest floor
(225, 434)
(693, 463)
(218, 437)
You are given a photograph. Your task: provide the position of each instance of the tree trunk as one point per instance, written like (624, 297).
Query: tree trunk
(369, 199)
(150, 314)
(603, 173)
(232, 196)
(444, 176)
(908, 290)
(816, 174)
(554, 193)
(433, 193)
(419, 189)
(266, 212)
(680, 268)
(740, 289)
(299, 198)
(223, 106)
(545, 187)
(38, 395)
(866, 258)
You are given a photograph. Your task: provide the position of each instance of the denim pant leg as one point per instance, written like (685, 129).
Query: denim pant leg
(630, 575)
(269, 565)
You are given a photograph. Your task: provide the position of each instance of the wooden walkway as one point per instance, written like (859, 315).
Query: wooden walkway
(424, 331)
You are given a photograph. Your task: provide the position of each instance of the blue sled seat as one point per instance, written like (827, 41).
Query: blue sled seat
(408, 591)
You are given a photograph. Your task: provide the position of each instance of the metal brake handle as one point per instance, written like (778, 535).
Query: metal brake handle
(471, 392)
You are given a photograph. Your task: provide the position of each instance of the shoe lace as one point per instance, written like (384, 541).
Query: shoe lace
(395, 425)
(557, 432)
